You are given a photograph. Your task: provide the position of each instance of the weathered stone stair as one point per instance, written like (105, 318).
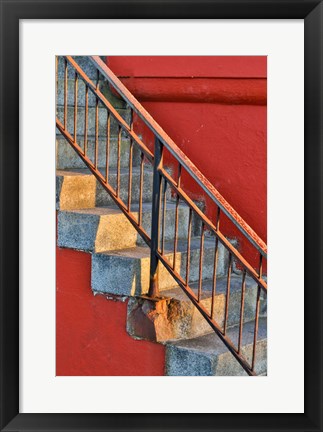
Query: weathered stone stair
(89, 221)
(206, 355)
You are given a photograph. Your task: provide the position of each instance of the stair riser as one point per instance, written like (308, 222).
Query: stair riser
(169, 234)
(122, 275)
(102, 122)
(92, 233)
(67, 158)
(196, 325)
(104, 199)
(103, 86)
(181, 362)
(95, 233)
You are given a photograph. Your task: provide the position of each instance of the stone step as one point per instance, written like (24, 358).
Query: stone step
(103, 86)
(75, 189)
(107, 228)
(207, 355)
(126, 272)
(175, 317)
(79, 189)
(67, 158)
(102, 121)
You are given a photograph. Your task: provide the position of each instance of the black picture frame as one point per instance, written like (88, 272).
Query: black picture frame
(11, 12)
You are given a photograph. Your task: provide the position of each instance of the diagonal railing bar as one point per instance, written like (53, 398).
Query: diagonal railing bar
(180, 156)
(162, 181)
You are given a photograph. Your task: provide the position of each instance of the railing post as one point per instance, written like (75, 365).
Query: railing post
(158, 163)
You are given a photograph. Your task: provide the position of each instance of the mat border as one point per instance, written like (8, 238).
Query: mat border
(11, 12)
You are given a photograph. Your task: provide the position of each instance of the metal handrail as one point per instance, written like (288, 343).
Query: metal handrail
(180, 156)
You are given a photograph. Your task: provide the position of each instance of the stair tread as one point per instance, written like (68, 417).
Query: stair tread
(112, 210)
(178, 293)
(212, 346)
(144, 251)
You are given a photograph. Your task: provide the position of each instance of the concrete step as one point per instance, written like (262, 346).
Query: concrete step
(75, 189)
(175, 317)
(208, 356)
(79, 189)
(103, 86)
(67, 158)
(107, 228)
(126, 271)
(102, 121)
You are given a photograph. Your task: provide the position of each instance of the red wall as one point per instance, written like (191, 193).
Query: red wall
(91, 337)
(215, 109)
(189, 66)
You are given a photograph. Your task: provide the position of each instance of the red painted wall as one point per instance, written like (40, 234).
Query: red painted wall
(189, 66)
(91, 337)
(214, 108)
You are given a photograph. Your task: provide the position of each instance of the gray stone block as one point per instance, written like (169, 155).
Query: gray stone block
(102, 121)
(67, 158)
(107, 228)
(208, 356)
(85, 64)
(234, 299)
(126, 272)
(169, 231)
(104, 199)
(75, 190)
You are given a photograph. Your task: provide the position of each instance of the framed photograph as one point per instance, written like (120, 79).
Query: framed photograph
(150, 152)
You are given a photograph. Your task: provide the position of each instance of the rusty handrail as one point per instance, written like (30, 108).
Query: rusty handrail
(180, 156)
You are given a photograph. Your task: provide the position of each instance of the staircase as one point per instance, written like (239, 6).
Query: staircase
(113, 220)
